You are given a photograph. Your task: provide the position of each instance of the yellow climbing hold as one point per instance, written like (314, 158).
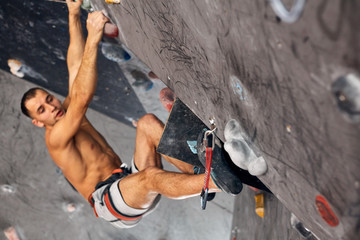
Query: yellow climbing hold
(259, 204)
(112, 1)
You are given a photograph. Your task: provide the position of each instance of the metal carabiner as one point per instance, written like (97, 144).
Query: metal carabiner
(205, 139)
(203, 198)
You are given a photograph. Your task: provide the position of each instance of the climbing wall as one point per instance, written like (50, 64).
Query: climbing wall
(292, 86)
(276, 223)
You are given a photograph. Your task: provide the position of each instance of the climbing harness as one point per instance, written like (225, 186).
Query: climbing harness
(209, 143)
(285, 15)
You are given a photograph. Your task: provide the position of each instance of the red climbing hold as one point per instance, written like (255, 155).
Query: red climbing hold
(325, 211)
(167, 98)
(110, 30)
(153, 75)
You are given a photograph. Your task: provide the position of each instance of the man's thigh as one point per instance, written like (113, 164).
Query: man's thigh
(135, 191)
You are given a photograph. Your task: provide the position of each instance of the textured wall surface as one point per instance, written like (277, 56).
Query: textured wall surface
(237, 59)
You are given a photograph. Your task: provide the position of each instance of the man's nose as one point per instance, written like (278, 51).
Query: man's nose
(52, 107)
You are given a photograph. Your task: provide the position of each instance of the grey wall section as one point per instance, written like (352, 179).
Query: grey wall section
(36, 33)
(236, 59)
(276, 223)
(36, 208)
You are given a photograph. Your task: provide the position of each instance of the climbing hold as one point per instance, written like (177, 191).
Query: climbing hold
(233, 130)
(11, 233)
(240, 152)
(254, 189)
(111, 30)
(70, 207)
(141, 80)
(325, 211)
(257, 166)
(112, 1)
(299, 227)
(259, 204)
(192, 146)
(238, 88)
(288, 128)
(288, 16)
(152, 75)
(234, 233)
(114, 52)
(346, 90)
(134, 123)
(86, 5)
(15, 67)
(167, 98)
(6, 188)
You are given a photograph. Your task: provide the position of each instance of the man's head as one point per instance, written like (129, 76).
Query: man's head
(42, 107)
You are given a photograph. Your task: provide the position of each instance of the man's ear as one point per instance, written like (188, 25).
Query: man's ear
(37, 123)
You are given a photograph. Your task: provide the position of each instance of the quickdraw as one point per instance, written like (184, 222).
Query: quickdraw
(209, 143)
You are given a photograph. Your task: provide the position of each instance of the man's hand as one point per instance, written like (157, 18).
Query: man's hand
(95, 26)
(74, 7)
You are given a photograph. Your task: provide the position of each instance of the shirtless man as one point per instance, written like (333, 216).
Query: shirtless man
(85, 157)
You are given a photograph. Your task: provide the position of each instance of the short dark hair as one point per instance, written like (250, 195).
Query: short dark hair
(27, 96)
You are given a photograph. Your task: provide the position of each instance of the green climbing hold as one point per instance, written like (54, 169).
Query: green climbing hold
(86, 5)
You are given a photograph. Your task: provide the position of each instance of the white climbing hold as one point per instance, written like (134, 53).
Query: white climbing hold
(240, 152)
(6, 188)
(232, 130)
(257, 166)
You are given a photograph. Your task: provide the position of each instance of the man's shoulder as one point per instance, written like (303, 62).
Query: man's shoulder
(53, 138)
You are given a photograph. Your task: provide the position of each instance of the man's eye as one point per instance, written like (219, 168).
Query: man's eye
(41, 110)
(50, 99)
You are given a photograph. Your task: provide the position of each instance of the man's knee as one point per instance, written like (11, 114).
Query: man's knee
(149, 176)
(150, 123)
(148, 120)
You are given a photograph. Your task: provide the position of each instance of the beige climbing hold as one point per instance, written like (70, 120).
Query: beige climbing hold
(70, 207)
(11, 234)
(15, 66)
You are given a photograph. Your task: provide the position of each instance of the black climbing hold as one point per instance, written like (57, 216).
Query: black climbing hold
(346, 90)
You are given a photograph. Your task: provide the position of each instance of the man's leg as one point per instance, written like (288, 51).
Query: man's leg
(140, 189)
(148, 135)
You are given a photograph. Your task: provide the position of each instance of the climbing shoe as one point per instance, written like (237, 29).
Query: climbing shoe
(222, 172)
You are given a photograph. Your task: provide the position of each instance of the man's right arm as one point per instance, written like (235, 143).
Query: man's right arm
(76, 45)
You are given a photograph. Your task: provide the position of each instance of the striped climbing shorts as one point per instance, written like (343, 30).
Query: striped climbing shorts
(109, 204)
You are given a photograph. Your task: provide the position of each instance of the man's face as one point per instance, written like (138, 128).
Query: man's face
(45, 109)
